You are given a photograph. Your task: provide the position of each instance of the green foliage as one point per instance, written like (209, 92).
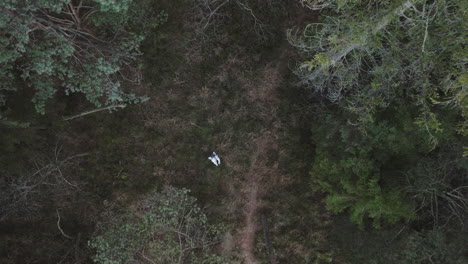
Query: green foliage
(166, 227)
(113, 5)
(367, 54)
(54, 46)
(395, 71)
(352, 166)
(371, 170)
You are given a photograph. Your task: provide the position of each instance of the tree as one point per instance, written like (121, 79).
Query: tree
(435, 247)
(394, 72)
(87, 46)
(354, 167)
(366, 54)
(437, 185)
(25, 192)
(167, 227)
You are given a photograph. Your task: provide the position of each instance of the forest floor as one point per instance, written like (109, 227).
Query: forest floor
(221, 91)
(253, 191)
(218, 79)
(233, 111)
(221, 94)
(262, 176)
(247, 235)
(225, 100)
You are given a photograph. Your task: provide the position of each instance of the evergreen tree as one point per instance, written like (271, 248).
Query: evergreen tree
(396, 73)
(367, 54)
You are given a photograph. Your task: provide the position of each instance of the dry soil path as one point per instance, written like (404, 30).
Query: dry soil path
(261, 175)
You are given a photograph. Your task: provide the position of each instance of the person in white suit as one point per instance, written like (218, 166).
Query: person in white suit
(215, 159)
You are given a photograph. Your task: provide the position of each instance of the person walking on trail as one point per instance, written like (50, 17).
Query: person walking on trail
(215, 159)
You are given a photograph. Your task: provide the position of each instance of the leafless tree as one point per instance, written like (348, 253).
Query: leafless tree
(19, 193)
(434, 197)
(211, 13)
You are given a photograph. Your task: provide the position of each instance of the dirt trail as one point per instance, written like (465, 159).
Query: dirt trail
(251, 188)
(261, 175)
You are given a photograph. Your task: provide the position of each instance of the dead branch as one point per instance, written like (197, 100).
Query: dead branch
(58, 225)
(111, 107)
(259, 26)
(212, 13)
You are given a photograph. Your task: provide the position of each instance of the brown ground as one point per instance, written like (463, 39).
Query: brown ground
(245, 187)
(253, 191)
(261, 175)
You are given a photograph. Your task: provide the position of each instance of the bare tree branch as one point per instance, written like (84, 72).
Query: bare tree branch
(58, 225)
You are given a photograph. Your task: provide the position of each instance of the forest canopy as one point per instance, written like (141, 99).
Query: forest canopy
(395, 72)
(341, 127)
(86, 47)
(173, 216)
